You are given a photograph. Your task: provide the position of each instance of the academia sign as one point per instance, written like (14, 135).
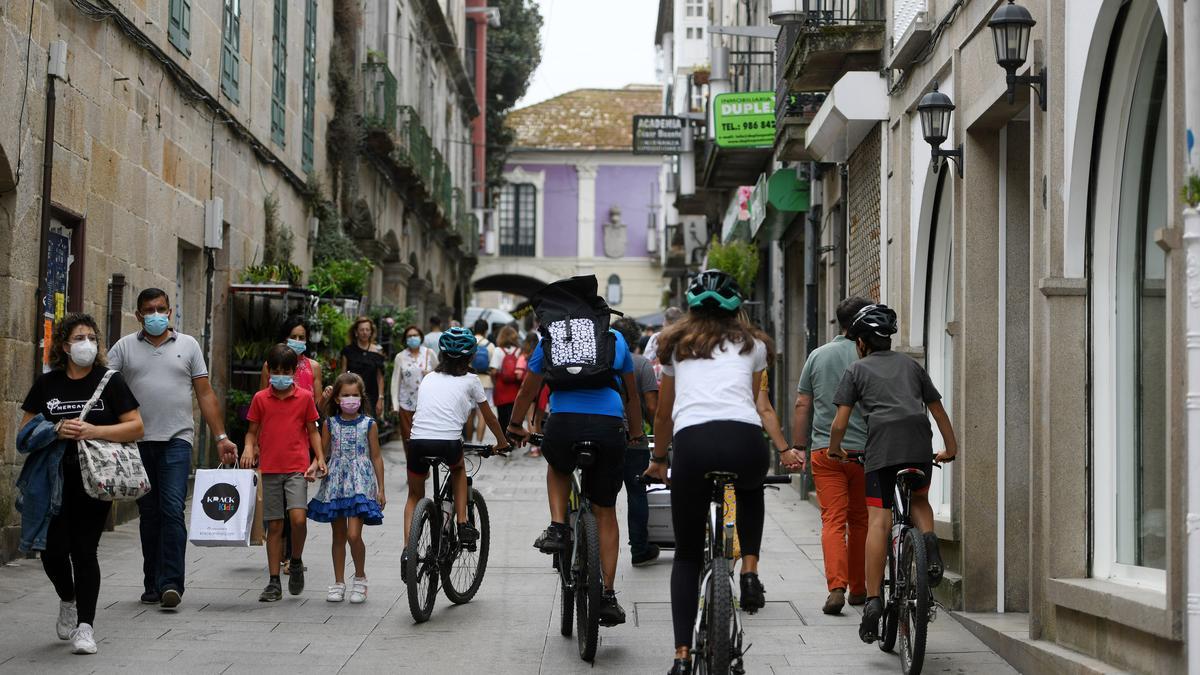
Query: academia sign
(745, 120)
(658, 135)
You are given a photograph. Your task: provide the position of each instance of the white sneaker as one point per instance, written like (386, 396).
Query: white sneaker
(83, 641)
(358, 594)
(67, 618)
(337, 593)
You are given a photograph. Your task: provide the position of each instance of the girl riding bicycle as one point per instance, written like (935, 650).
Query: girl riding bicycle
(893, 392)
(446, 398)
(713, 364)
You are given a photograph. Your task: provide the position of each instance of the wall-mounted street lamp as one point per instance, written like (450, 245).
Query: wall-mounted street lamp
(1010, 26)
(935, 108)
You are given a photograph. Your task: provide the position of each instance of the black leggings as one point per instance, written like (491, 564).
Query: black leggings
(736, 447)
(71, 542)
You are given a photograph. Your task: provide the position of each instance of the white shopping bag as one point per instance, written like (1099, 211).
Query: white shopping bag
(223, 507)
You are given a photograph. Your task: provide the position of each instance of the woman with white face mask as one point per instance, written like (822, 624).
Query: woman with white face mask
(411, 366)
(59, 396)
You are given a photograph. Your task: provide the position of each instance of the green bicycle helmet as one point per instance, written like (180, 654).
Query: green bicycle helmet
(458, 342)
(714, 289)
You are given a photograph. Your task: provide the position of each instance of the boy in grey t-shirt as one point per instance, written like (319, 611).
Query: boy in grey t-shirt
(893, 392)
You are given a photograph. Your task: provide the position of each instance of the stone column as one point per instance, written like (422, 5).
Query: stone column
(586, 250)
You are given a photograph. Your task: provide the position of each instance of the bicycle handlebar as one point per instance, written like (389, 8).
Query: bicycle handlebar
(481, 449)
(859, 457)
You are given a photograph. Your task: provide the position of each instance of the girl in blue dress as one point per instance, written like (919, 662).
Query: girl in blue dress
(351, 494)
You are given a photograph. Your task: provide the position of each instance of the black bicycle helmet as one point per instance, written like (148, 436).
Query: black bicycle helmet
(877, 320)
(458, 342)
(714, 289)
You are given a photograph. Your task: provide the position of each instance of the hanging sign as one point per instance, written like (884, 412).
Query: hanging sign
(745, 120)
(658, 134)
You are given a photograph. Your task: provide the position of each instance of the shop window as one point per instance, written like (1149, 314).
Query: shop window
(939, 344)
(1128, 300)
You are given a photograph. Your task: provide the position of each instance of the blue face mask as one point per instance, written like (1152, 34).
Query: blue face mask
(413, 342)
(156, 324)
(281, 382)
(297, 346)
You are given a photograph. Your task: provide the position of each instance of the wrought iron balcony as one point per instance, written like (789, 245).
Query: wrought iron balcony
(830, 38)
(379, 97)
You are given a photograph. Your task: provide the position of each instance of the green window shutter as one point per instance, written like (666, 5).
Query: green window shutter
(279, 73)
(179, 25)
(310, 85)
(231, 50)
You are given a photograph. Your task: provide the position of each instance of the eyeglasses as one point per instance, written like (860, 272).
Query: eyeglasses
(83, 338)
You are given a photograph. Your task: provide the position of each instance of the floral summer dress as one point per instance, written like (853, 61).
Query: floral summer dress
(350, 488)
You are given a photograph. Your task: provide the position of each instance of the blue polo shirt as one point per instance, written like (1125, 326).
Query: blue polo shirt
(602, 401)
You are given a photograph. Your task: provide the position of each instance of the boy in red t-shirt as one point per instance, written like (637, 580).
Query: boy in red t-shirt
(281, 433)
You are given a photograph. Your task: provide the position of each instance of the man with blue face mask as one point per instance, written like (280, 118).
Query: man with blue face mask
(163, 367)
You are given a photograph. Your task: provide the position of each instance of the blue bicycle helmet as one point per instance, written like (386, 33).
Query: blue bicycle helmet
(458, 342)
(714, 289)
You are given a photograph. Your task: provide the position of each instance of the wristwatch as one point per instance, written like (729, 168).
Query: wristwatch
(658, 460)
(221, 437)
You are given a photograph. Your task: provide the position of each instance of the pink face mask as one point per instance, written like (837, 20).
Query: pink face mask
(349, 404)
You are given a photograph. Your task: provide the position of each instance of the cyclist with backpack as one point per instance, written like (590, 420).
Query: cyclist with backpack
(894, 393)
(510, 371)
(713, 361)
(582, 360)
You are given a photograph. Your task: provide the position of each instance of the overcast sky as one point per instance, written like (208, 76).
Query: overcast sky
(585, 43)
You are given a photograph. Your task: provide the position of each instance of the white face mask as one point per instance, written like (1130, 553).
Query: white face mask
(83, 354)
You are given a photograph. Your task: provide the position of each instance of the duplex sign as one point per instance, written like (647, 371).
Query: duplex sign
(658, 135)
(745, 120)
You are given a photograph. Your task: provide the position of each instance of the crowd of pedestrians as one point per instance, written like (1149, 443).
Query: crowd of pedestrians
(699, 386)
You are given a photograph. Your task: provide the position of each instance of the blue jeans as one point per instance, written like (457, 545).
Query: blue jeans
(636, 461)
(164, 535)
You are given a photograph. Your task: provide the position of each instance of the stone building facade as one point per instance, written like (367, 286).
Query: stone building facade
(1043, 289)
(162, 108)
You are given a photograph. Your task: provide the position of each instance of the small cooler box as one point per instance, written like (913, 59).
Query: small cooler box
(661, 531)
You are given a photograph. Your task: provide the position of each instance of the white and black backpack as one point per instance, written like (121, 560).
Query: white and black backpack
(577, 346)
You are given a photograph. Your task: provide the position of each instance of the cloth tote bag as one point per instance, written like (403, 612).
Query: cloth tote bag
(111, 471)
(223, 507)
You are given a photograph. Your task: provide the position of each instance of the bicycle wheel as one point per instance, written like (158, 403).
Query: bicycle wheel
(562, 563)
(714, 643)
(887, 622)
(589, 584)
(422, 552)
(462, 577)
(914, 605)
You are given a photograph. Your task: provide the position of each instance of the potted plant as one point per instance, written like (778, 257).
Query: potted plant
(700, 75)
(739, 259)
(340, 278)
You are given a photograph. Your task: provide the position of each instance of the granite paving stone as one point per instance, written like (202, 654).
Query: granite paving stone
(511, 626)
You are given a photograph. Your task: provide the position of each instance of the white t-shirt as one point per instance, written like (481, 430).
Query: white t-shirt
(720, 388)
(443, 404)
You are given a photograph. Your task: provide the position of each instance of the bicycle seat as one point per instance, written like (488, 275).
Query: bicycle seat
(585, 455)
(721, 477)
(907, 477)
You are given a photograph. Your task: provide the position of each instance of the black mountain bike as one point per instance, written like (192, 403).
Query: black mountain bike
(581, 581)
(717, 642)
(434, 551)
(908, 604)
